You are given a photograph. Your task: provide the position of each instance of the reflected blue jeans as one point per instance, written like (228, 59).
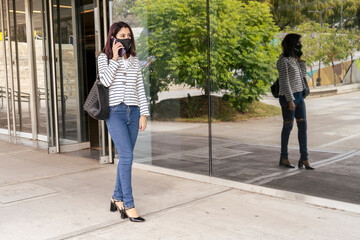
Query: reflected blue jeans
(288, 116)
(123, 126)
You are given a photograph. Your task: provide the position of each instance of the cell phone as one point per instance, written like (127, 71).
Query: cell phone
(121, 51)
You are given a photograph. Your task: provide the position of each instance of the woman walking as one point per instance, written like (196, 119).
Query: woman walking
(119, 70)
(292, 70)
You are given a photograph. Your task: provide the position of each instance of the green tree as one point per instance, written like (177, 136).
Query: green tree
(295, 12)
(121, 12)
(350, 10)
(287, 12)
(175, 37)
(335, 43)
(352, 45)
(241, 42)
(311, 41)
(254, 55)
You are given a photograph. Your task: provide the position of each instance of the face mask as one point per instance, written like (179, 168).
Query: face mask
(126, 43)
(298, 51)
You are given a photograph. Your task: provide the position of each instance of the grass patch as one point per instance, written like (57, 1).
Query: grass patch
(195, 109)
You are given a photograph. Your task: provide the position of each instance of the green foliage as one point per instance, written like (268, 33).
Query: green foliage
(352, 42)
(121, 12)
(351, 10)
(293, 12)
(326, 44)
(256, 53)
(241, 42)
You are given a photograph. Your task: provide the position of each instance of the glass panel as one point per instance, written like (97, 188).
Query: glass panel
(173, 56)
(87, 70)
(3, 99)
(41, 78)
(247, 123)
(22, 80)
(70, 130)
(21, 71)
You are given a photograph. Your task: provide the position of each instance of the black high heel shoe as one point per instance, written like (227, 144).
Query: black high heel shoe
(114, 208)
(285, 163)
(132, 219)
(306, 164)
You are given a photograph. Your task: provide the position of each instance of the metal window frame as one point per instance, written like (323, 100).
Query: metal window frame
(53, 79)
(32, 67)
(11, 69)
(6, 72)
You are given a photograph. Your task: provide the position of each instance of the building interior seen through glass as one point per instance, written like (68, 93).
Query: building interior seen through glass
(17, 62)
(244, 38)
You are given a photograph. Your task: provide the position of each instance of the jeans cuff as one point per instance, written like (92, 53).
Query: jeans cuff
(128, 206)
(117, 199)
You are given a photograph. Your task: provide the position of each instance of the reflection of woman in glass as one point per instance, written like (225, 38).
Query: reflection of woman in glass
(292, 70)
(119, 70)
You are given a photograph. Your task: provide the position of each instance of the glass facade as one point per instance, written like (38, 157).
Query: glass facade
(208, 66)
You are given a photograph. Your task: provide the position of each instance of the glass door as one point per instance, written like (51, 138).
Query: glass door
(22, 69)
(72, 50)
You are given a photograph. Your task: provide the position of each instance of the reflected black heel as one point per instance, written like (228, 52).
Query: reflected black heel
(305, 163)
(114, 208)
(285, 163)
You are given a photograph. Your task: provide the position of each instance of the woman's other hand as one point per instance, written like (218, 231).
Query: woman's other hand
(142, 123)
(291, 106)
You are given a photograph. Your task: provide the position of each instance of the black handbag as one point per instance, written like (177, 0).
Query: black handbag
(306, 90)
(275, 88)
(97, 102)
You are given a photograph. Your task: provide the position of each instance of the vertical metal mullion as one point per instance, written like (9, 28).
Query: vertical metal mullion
(6, 72)
(102, 123)
(53, 65)
(75, 20)
(61, 75)
(47, 76)
(110, 12)
(11, 68)
(17, 68)
(105, 18)
(209, 84)
(32, 67)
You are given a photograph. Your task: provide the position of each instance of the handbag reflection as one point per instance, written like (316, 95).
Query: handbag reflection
(97, 102)
(276, 86)
(306, 90)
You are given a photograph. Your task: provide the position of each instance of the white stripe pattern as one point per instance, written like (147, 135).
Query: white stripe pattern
(291, 71)
(125, 83)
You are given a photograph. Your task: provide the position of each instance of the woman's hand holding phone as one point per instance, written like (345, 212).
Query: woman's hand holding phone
(116, 46)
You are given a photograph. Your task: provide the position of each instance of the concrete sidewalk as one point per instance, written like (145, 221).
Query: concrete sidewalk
(46, 196)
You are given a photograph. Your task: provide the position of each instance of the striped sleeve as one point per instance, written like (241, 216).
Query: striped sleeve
(284, 80)
(141, 94)
(107, 70)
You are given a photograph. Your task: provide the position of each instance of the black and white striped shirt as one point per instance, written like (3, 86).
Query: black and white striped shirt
(125, 83)
(291, 72)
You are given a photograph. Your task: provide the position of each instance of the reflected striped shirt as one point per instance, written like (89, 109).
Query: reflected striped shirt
(125, 82)
(291, 72)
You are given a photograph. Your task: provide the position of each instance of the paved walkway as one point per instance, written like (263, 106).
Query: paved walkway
(46, 196)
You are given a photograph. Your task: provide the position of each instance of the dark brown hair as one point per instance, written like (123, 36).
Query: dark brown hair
(289, 44)
(114, 29)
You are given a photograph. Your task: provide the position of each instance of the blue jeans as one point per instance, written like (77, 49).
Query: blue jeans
(123, 125)
(288, 116)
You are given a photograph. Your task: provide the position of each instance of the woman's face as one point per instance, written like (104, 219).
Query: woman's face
(124, 33)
